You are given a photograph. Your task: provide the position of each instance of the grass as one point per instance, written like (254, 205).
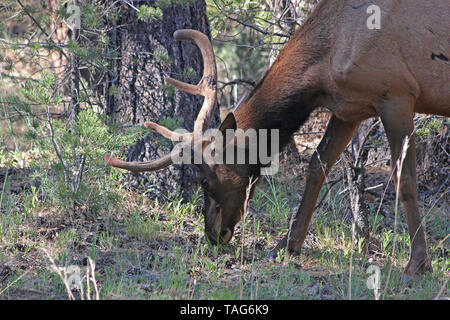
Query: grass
(149, 250)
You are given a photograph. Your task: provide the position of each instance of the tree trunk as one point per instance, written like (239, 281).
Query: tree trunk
(148, 55)
(75, 77)
(356, 186)
(58, 33)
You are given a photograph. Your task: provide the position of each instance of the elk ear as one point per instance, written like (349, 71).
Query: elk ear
(228, 123)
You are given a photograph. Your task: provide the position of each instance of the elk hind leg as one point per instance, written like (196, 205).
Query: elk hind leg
(398, 120)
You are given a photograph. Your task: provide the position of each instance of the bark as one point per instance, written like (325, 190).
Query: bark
(356, 187)
(75, 77)
(148, 55)
(59, 34)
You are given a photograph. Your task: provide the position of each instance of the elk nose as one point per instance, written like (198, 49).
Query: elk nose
(225, 235)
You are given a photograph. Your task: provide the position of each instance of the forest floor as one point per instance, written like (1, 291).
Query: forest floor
(143, 249)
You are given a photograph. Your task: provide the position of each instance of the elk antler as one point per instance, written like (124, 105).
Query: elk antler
(206, 87)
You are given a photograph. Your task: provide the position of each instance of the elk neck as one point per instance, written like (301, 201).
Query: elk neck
(287, 94)
(292, 88)
(286, 114)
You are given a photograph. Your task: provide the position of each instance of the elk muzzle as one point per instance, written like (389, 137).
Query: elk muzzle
(214, 230)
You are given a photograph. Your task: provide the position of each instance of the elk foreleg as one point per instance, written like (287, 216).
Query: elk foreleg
(334, 142)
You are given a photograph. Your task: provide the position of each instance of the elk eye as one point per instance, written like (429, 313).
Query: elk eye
(204, 183)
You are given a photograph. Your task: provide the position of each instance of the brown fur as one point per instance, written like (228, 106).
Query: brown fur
(334, 60)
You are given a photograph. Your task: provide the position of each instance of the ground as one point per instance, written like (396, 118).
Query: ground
(144, 249)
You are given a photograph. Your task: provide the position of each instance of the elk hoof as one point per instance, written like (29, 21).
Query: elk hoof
(226, 235)
(416, 270)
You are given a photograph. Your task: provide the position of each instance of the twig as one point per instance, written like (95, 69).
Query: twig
(239, 81)
(442, 290)
(97, 292)
(10, 284)
(63, 278)
(248, 192)
(308, 133)
(80, 173)
(399, 168)
(361, 149)
(57, 150)
(258, 29)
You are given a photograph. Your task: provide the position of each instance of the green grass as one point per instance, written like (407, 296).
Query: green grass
(150, 250)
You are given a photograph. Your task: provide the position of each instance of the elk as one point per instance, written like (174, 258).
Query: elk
(333, 60)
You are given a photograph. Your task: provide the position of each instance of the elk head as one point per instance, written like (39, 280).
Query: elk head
(224, 185)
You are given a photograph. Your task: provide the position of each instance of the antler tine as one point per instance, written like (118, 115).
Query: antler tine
(202, 41)
(207, 86)
(137, 167)
(166, 133)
